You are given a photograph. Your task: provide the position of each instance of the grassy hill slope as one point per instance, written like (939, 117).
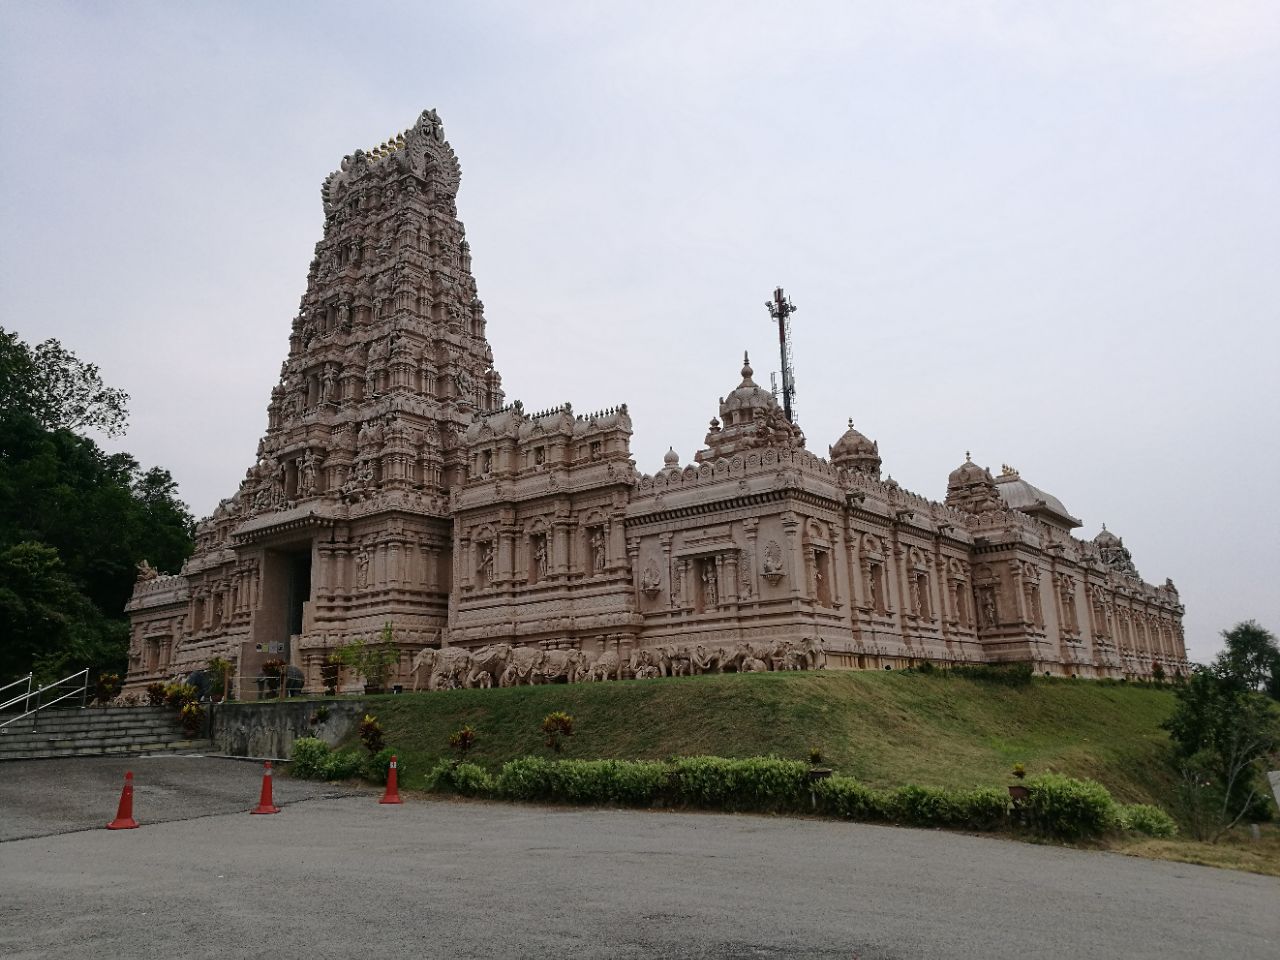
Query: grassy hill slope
(887, 729)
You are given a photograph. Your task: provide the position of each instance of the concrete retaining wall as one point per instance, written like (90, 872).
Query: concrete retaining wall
(269, 729)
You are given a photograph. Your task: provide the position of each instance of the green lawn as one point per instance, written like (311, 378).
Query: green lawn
(887, 729)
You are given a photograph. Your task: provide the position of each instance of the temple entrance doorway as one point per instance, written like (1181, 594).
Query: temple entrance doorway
(286, 603)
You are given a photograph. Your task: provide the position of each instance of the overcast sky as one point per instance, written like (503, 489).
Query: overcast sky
(1046, 233)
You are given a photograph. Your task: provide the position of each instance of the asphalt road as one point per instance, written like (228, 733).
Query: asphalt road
(338, 875)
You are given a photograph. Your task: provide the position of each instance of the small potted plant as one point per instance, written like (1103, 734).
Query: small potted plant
(1017, 791)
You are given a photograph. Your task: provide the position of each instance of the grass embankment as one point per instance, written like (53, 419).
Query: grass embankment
(886, 729)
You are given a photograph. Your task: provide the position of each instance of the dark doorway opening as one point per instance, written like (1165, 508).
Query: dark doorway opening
(299, 571)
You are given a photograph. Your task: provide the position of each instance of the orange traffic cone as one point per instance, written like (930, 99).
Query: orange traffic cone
(264, 803)
(393, 791)
(124, 813)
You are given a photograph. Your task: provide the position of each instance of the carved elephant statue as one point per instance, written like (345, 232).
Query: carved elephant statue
(490, 660)
(753, 665)
(706, 660)
(424, 662)
(680, 662)
(642, 665)
(813, 654)
(452, 664)
(520, 666)
(567, 666)
(607, 666)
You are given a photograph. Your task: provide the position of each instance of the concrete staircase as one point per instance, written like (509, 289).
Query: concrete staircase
(97, 732)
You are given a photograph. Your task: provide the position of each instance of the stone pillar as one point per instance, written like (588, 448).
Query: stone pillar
(668, 566)
(794, 561)
(752, 559)
(560, 553)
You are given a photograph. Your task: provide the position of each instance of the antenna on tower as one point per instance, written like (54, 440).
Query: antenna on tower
(780, 309)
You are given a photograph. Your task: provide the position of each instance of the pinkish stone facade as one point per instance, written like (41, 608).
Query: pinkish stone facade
(393, 485)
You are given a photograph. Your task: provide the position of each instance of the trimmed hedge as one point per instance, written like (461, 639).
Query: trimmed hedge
(1057, 806)
(757, 783)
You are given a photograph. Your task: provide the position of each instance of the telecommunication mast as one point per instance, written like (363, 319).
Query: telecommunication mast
(780, 309)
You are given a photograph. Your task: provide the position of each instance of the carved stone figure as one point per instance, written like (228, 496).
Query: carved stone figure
(146, 571)
(772, 565)
(598, 557)
(362, 569)
(540, 556)
(988, 608)
(710, 585)
(651, 582)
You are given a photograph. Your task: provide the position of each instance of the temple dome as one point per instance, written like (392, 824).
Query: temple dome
(967, 473)
(747, 395)
(671, 458)
(1031, 500)
(1106, 538)
(855, 451)
(750, 418)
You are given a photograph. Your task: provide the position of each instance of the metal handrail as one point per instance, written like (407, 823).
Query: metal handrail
(39, 692)
(26, 680)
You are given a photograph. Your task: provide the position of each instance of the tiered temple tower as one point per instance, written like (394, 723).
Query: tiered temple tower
(343, 524)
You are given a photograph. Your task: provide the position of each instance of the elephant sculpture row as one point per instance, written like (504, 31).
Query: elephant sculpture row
(504, 665)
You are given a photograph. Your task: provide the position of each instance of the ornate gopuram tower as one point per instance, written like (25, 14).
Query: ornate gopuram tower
(343, 523)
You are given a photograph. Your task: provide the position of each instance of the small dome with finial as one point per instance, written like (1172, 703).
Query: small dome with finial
(968, 472)
(855, 451)
(671, 459)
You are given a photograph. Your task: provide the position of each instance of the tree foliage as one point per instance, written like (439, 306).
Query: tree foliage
(59, 390)
(74, 520)
(1222, 732)
(1251, 658)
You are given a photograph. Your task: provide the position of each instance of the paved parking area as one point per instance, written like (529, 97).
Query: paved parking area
(338, 875)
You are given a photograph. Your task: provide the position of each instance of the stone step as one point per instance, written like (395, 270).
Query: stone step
(23, 726)
(119, 750)
(93, 732)
(146, 736)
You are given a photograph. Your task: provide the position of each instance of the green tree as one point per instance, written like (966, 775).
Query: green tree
(1222, 734)
(74, 520)
(1251, 658)
(48, 625)
(52, 384)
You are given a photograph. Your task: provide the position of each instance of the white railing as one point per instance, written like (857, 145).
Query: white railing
(67, 687)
